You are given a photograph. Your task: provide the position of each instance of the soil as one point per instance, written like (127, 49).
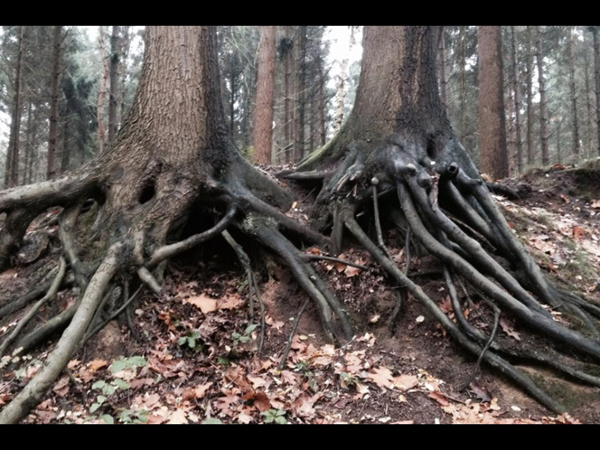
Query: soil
(201, 364)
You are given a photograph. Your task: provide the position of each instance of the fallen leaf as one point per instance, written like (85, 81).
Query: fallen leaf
(480, 392)
(382, 377)
(260, 399)
(232, 302)
(509, 330)
(440, 398)
(204, 303)
(62, 387)
(578, 232)
(97, 364)
(178, 417)
(352, 271)
(406, 382)
(596, 204)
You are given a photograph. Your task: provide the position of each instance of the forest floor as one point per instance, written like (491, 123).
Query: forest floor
(191, 357)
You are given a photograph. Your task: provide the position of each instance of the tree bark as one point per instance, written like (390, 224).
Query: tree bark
(596, 39)
(573, 94)
(52, 169)
(265, 96)
(443, 79)
(492, 128)
(102, 93)
(300, 94)
(542, 84)
(517, 100)
(11, 177)
(124, 51)
(529, 82)
(115, 69)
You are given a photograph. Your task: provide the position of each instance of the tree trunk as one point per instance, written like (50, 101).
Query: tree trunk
(124, 51)
(114, 71)
(265, 96)
(573, 91)
(102, 93)
(529, 82)
(542, 83)
(443, 80)
(300, 94)
(597, 79)
(588, 102)
(492, 128)
(53, 133)
(322, 104)
(517, 100)
(11, 177)
(288, 118)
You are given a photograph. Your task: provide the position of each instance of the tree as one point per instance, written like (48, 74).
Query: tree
(542, 89)
(53, 134)
(11, 176)
(174, 156)
(596, 40)
(398, 140)
(492, 128)
(115, 69)
(265, 96)
(517, 99)
(573, 91)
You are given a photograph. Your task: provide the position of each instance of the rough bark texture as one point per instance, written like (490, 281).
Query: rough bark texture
(517, 99)
(597, 79)
(403, 61)
(543, 106)
(492, 128)
(300, 95)
(115, 68)
(52, 169)
(11, 175)
(443, 79)
(573, 94)
(529, 82)
(265, 96)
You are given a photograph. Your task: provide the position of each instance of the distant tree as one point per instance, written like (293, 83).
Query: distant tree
(492, 130)
(265, 96)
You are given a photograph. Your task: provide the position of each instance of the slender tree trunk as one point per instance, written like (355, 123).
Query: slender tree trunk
(100, 105)
(300, 93)
(322, 104)
(232, 91)
(115, 69)
(573, 91)
(125, 44)
(463, 85)
(52, 169)
(288, 117)
(265, 96)
(12, 157)
(597, 79)
(66, 150)
(492, 129)
(443, 80)
(542, 84)
(517, 100)
(529, 82)
(28, 145)
(340, 96)
(558, 142)
(511, 131)
(588, 102)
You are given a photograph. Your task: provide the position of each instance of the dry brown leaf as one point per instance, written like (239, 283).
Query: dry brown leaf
(178, 417)
(62, 387)
(382, 377)
(231, 302)
(439, 397)
(578, 232)
(352, 271)
(260, 399)
(244, 418)
(509, 330)
(96, 365)
(596, 204)
(203, 302)
(405, 382)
